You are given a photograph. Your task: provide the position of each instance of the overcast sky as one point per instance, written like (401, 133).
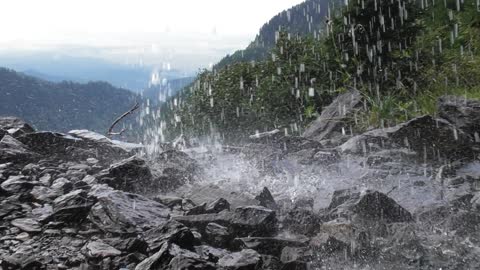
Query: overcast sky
(136, 30)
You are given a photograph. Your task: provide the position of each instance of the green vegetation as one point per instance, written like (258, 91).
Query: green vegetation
(402, 55)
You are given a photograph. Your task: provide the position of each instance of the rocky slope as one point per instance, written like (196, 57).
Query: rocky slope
(83, 201)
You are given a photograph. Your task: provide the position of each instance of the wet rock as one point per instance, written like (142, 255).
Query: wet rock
(267, 245)
(130, 245)
(210, 254)
(18, 184)
(12, 150)
(463, 113)
(14, 126)
(295, 265)
(266, 199)
(171, 232)
(162, 258)
(131, 175)
(210, 193)
(253, 221)
(217, 235)
(217, 206)
(169, 201)
(8, 206)
(27, 225)
(326, 243)
(172, 169)
(200, 222)
(367, 205)
(98, 249)
(246, 259)
(44, 194)
(290, 254)
(269, 263)
(333, 121)
(185, 263)
(301, 220)
(73, 206)
(432, 139)
(62, 185)
(100, 139)
(121, 212)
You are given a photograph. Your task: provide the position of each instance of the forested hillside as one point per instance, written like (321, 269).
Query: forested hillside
(62, 106)
(307, 18)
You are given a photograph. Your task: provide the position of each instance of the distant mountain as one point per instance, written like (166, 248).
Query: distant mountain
(62, 106)
(303, 19)
(56, 67)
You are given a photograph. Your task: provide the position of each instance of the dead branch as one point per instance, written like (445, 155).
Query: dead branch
(110, 130)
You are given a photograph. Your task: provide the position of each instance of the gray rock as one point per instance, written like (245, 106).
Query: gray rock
(217, 206)
(73, 206)
(463, 113)
(267, 245)
(367, 206)
(15, 126)
(18, 184)
(44, 194)
(131, 175)
(98, 249)
(171, 232)
(246, 259)
(27, 224)
(121, 212)
(217, 235)
(12, 150)
(181, 262)
(431, 139)
(253, 221)
(163, 257)
(334, 117)
(266, 199)
(200, 222)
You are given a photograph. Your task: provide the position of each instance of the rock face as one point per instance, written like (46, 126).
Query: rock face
(11, 150)
(334, 117)
(432, 139)
(463, 113)
(121, 212)
(367, 205)
(14, 126)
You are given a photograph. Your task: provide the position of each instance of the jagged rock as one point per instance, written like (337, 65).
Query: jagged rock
(100, 139)
(334, 117)
(12, 150)
(463, 113)
(217, 206)
(15, 126)
(253, 221)
(171, 232)
(8, 206)
(217, 235)
(267, 245)
(18, 184)
(209, 193)
(367, 205)
(164, 256)
(266, 199)
(431, 139)
(301, 220)
(200, 222)
(27, 224)
(62, 185)
(121, 212)
(44, 194)
(172, 169)
(246, 259)
(98, 249)
(185, 263)
(169, 201)
(73, 206)
(131, 175)
(130, 245)
(325, 243)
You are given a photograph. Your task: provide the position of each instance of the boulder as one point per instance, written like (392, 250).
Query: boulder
(431, 139)
(461, 112)
(253, 221)
(172, 169)
(187, 263)
(73, 206)
(18, 184)
(301, 220)
(366, 205)
(171, 232)
(217, 206)
(130, 175)
(200, 222)
(162, 258)
(333, 121)
(246, 259)
(266, 199)
(267, 245)
(209, 193)
(217, 235)
(130, 245)
(121, 212)
(12, 150)
(99, 249)
(27, 224)
(14, 126)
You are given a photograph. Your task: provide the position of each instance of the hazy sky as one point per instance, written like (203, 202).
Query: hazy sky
(136, 30)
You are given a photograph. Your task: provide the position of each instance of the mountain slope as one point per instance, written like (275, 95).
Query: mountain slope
(62, 106)
(307, 18)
